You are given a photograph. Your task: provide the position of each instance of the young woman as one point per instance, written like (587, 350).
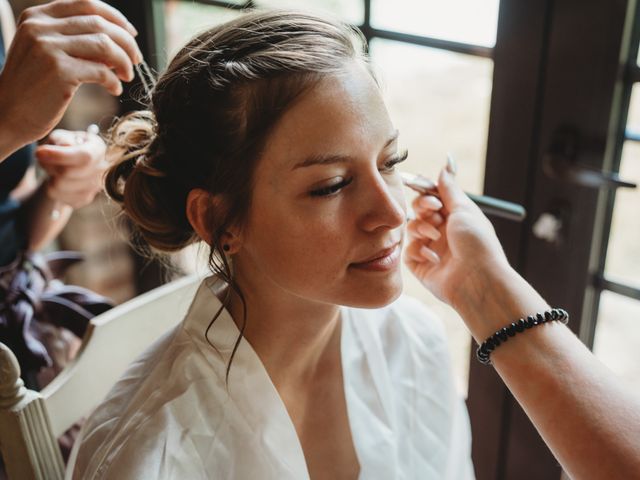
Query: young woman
(269, 140)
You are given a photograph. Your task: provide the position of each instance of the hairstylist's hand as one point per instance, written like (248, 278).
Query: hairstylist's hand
(57, 47)
(449, 240)
(75, 163)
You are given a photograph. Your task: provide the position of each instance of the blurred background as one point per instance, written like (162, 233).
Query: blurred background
(513, 92)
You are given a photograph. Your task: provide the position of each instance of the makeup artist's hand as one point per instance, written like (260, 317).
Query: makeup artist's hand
(57, 47)
(452, 245)
(75, 163)
(454, 251)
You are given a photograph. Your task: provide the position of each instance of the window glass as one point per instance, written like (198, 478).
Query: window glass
(439, 101)
(623, 253)
(184, 20)
(351, 11)
(633, 117)
(617, 340)
(467, 21)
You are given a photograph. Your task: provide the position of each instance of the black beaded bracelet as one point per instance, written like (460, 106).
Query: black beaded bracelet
(490, 344)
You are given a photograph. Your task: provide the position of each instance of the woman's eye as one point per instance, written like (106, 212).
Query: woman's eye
(330, 189)
(389, 165)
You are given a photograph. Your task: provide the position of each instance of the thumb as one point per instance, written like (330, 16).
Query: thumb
(451, 194)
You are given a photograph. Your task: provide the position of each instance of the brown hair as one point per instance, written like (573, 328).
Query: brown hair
(211, 113)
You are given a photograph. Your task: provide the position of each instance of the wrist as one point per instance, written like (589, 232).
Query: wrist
(494, 296)
(10, 139)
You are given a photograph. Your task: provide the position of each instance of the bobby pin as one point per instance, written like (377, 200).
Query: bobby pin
(146, 77)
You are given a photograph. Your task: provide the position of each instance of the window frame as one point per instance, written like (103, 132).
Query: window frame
(543, 82)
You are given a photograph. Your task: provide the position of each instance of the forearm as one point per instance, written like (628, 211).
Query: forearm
(44, 218)
(10, 139)
(587, 418)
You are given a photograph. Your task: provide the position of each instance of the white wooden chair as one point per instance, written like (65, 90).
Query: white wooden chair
(31, 422)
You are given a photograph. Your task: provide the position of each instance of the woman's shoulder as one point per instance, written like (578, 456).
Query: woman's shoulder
(140, 406)
(157, 394)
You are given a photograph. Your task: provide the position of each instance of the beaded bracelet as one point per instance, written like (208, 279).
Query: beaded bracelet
(490, 344)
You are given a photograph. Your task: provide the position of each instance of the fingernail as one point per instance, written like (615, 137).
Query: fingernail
(429, 231)
(430, 202)
(451, 165)
(429, 254)
(133, 29)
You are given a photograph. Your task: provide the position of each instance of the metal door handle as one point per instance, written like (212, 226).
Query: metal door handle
(560, 162)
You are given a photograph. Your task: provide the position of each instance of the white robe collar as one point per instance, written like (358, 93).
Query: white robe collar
(253, 395)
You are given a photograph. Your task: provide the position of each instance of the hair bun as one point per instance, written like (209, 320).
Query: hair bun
(129, 140)
(143, 189)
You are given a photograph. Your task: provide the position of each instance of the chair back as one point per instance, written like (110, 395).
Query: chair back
(31, 422)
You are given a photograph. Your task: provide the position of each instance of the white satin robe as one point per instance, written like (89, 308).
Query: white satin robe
(171, 415)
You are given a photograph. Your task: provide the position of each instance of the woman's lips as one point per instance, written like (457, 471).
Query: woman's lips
(383, 261)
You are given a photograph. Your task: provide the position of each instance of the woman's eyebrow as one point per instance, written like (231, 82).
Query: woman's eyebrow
(333, 158)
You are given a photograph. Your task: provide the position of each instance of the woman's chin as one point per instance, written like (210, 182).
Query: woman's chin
(378, 295)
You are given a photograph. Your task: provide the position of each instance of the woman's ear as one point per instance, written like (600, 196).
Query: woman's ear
(203, 210)
(199, 204)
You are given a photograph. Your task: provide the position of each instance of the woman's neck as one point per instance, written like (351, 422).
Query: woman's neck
(297, 340)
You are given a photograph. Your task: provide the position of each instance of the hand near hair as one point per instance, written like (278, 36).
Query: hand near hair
(75, 163)
(57, 47)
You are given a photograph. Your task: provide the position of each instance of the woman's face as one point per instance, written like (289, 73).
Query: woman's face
(327, 214)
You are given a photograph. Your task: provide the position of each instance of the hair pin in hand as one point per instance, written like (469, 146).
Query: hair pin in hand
(147, 77)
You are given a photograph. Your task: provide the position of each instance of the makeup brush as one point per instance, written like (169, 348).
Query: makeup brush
(489, 205)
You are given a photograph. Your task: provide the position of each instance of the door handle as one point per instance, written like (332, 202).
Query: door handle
(560, 162)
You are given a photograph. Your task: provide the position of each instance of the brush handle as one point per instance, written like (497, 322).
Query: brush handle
(499, 208)
(489, 205)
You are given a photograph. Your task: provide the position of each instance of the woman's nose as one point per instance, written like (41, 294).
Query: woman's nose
(385, 206)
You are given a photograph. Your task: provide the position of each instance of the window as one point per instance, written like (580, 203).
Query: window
(616, 314)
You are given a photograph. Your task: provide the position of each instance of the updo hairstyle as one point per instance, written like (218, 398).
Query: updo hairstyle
(210, 115)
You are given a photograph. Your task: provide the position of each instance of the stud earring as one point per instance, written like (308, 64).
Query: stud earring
(226, 247)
